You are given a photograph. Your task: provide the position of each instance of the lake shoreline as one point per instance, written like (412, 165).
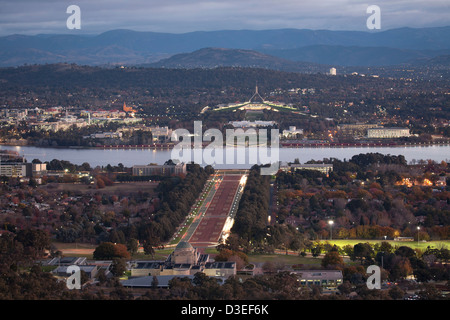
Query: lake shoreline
(169, 146)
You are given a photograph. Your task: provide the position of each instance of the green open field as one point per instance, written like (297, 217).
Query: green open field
(283, 259)
(412, 244)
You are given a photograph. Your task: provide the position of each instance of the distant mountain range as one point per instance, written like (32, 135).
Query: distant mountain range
(282, 49)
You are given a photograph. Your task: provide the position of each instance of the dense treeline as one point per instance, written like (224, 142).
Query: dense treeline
(251, 218)
(20, 277)
(368, 197)
(177, 195)
(183, 93)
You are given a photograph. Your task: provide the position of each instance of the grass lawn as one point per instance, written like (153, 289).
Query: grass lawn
(412, 244)
(283, 259)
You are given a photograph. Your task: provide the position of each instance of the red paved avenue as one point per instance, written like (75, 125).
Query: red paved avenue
(210, 228)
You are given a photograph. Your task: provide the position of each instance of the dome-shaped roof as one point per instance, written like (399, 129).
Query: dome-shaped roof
(184, 245)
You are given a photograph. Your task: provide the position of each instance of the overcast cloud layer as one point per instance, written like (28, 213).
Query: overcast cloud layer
(180, 16)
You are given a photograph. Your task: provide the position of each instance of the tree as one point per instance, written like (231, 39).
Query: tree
(385, 247)
(132, 246)
(401, 268)
(34, 241)
(332, 258)
(316, 250)
(345, 288)
(362, 251)
(118, 267)
(104, 251)
(155, 282)
(396, 293)
(148, 248)
(405, 251)
(108, 251)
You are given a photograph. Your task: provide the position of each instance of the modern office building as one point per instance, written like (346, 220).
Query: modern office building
(162, 170)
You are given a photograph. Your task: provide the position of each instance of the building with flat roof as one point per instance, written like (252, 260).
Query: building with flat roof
(90, 270)
(159, 170)
(323, 278)
(292, 132)
(325, 168)
(356, 129)
(184, 260)
(387, 133)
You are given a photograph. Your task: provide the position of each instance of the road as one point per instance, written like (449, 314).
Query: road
(217, 209)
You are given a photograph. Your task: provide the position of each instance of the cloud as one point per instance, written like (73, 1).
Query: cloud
(178, 16)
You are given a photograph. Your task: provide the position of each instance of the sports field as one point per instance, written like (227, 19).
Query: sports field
(413, 244)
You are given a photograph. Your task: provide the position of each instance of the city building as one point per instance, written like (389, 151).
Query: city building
(90, 270)
(185, 260)
(13, 169)
(323, 278)
(105, 135)
(322, 167)
(356, 129)
(333, 71)
(12, 165)
(388, 133)
(292, 132)
(156, 170)
(257, 103)
(36, 170)
(160, 133)
(252, 124)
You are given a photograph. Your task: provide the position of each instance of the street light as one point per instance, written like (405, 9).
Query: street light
(418, 229)
(331, 229)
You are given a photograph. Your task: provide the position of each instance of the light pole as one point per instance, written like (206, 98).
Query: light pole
(331, 229)
(418, 229)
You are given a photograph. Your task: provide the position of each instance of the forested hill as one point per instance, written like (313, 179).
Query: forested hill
(156, 89)
(74, 76)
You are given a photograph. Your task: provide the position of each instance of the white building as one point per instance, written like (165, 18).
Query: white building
(292, 132)
(333, 71)
(105, 135)
(322, 167)
(388, 133)
(252, 124)
(160, 133)
(13, 169)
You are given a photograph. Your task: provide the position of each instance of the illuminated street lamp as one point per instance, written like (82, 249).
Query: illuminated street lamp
(418, 229)
(331, 229)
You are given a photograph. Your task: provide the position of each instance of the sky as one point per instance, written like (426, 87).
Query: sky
(180, 16)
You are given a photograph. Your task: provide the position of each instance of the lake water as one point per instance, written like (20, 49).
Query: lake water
(130, 157)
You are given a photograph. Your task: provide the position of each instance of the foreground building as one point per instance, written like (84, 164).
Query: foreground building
(185, 260)
(322, 278)
(325, 168)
